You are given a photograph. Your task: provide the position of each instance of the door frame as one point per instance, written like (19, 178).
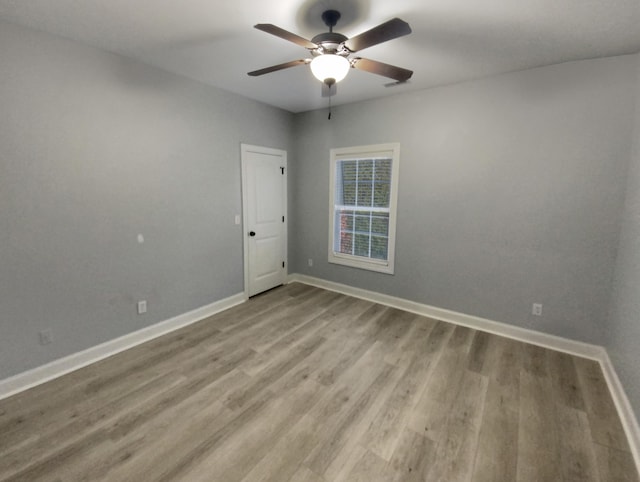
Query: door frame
(244, 148)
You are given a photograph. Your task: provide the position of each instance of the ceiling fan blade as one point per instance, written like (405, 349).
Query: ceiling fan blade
(380, 68)
(329, 90)
(284, 34)
(394, 28)
(275, 68)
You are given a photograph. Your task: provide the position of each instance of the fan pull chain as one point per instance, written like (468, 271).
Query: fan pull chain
(329, 118)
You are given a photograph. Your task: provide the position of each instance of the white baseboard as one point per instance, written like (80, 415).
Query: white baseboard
(23, 381)
(545, 340)
(627, 415)
(585, 350)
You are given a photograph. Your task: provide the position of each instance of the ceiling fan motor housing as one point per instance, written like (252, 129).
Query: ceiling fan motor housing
(330, 43)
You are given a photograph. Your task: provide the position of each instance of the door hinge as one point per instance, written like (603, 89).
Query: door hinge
(283, 264)
(282, 169)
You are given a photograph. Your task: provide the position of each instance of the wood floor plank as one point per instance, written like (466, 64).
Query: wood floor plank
(392, 325)
(341, 315)
(276, 370)
(350, 351)
(336, 436)
(68, 450)
(384, 431)
(253, 308)
(291, 320)
(123, 372)
(342, 473)
(615, 465)
(337, 313)
(457, 446)
(478, 351)
(251, 442)
(194, 454)
(92, 412)
(564, 378)
(577, 455)
(371, 467)
(163, 439)
(430, 413)
(538, 434)
(497, 454)
(73, 430)
(423, 335)
(284, 459)
(324, 418)
(310, 366)
(413, 457)
(302, 383)
(306, 475)
(401, 356)
(534, 360)
(605, 424)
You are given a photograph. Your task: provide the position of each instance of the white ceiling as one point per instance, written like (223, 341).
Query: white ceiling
(214, 41)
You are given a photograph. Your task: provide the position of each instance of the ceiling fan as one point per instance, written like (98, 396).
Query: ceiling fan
(330, 51)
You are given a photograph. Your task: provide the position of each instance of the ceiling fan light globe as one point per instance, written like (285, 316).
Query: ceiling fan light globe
(330, 66)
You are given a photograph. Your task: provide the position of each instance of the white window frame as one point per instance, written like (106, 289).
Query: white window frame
(387, 151)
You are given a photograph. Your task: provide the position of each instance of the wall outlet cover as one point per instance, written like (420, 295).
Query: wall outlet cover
(537, 309)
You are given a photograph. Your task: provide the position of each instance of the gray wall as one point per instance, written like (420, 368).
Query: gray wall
(94, 149)
(511, 192)
(623, 337)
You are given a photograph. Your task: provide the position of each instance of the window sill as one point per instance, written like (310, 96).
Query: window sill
(362, 263)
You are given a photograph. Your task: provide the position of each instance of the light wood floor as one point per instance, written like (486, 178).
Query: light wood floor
(302, 384)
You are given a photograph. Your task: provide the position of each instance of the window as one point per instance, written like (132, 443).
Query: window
(363, 199)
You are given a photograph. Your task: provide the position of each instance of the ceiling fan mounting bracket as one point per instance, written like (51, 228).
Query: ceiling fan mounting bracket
(330, 18)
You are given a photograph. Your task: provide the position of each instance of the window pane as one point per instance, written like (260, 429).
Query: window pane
(365, 170)
(346, 243)
(364, 193)
(380, 224)
(362, 223)
(383, 170)
(379, 247)
(346, 220)
(382, 188)
(361, 245)
(348, 169)
(348, 193)
(344, 231)
(381, 194)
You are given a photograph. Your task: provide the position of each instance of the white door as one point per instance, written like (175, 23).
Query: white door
(264, 184)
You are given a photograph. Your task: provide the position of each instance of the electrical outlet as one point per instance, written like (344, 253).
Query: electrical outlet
(46, 337)
(310, 262)
(142, 307)
(537, 309)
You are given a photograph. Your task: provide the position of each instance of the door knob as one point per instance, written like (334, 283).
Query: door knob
(252, 233)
